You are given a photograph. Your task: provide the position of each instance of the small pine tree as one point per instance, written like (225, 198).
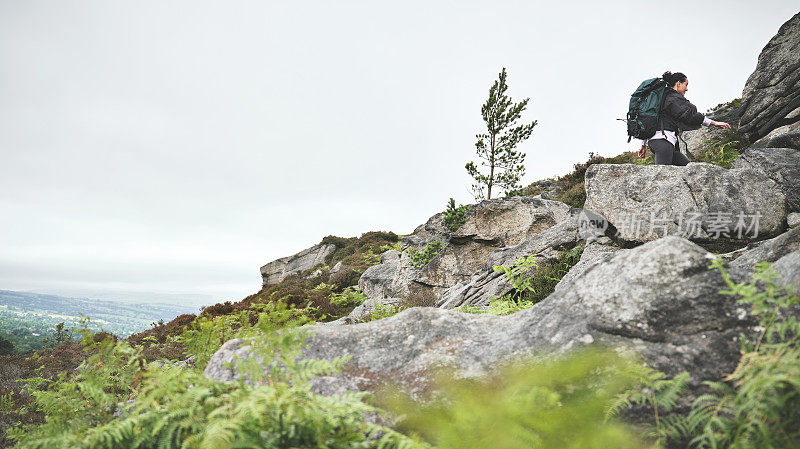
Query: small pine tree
(496, 146)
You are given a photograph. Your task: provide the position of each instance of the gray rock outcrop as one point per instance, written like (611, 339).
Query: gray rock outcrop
(486, 284)
(784, 137)
(793, 220)
(702, 202)
(659, 299)
(783, 252)
(495, 224)
(781, 165)
(492, 225)
(277, 270)
(772, 93)
(770, 250)
(391, 278)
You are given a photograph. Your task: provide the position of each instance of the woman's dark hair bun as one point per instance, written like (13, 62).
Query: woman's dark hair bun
(672, 78)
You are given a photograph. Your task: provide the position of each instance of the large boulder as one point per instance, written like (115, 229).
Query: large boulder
(659, 299)
(783, 252)
(782, 165)
(492, 224)
(788, 269)
(389, 279)
(770, 250)
(495, 224)
(772, 93)
(784, 137)
(486, 283)
(702, 202)
(277, 270)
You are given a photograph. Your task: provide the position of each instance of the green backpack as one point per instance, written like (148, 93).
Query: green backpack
(644, 107)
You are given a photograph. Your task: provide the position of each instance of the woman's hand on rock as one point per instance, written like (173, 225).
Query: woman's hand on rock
(721, 125)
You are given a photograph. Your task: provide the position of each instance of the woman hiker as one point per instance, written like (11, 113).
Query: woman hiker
(677, 114)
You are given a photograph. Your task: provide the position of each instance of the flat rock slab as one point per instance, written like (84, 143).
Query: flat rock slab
(659, 299)
(701, 202)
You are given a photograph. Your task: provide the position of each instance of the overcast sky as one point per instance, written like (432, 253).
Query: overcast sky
(176, 147)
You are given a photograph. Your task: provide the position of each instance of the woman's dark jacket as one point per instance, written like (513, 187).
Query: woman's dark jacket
(678, 114)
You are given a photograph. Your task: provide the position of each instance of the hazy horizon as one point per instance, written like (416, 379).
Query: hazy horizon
(175, 147)
(191, 299)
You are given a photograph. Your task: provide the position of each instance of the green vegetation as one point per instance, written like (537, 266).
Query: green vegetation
(348, 299)
(116, 400)
(519, 276)
(551, 404)
(531, 282)
(316, 288)
(347, 247)
(495, 147)
(653, 390)
(648, 160)
(380, 311)
(733, 104)
(420, 259)
(393, 247)
(721, 154)
(757, 405)
(454, 216)
(722, 150)
(356, 255)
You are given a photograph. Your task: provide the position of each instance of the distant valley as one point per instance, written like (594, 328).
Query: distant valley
(28, 319)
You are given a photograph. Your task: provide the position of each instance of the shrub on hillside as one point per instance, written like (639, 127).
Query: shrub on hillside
(369, 241)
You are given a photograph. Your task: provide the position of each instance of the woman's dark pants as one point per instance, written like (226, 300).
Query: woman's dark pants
(666, 154)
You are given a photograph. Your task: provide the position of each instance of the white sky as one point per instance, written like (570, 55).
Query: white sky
(178, 146)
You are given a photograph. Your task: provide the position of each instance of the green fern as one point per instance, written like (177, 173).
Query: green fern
(117, 401)
(757, 405)
(348, 298)
(548, 404)
(651, 389)
(380, 311)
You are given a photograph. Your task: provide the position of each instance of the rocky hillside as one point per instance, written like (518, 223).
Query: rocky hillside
(619, 253)
(647, 234)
